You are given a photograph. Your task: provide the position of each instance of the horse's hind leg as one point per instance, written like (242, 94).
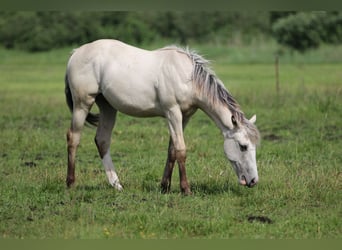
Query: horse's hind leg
(103, 139)
(170, 163)
(73, 139)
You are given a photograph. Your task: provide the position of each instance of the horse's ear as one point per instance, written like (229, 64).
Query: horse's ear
(234, 121)
(253, 119)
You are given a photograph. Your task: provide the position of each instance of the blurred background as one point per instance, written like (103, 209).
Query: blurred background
(41, 31)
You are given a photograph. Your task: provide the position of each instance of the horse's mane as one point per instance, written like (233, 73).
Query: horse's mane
(207, 83)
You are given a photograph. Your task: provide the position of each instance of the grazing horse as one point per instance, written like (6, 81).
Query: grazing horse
(169, 82)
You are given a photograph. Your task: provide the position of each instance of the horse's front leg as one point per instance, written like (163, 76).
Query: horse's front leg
(177, 151)
(184, 185)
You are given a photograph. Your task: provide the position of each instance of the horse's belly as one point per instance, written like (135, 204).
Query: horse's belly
(133, 101)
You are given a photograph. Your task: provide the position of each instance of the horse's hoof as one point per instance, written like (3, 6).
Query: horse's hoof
(186, 192)
(70, 182)
(118, 187)
(165, 188)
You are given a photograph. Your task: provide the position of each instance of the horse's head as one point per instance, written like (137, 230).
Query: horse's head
(240, 148)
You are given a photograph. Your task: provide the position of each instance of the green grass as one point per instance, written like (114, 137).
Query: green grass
(299, 158)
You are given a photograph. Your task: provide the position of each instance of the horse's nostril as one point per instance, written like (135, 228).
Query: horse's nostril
(253, 182)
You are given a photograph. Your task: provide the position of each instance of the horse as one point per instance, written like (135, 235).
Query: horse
(169, 82)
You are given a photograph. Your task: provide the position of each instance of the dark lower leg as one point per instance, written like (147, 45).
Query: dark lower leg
(170, 162)
(184, 185)
(71, 159)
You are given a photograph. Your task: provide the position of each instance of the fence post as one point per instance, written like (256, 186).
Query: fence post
(277, 72)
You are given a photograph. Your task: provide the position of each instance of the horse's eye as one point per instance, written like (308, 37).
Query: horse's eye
(234, 121)
(243, 148)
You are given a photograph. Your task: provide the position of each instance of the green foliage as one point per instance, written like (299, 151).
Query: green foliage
(276, 15)
(39, 31)
(134, 30)
(308, 30)
(332, 24)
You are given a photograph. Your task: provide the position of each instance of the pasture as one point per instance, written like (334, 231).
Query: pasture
(299, 159)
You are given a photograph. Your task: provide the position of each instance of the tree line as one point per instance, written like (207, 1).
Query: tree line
(40, 31)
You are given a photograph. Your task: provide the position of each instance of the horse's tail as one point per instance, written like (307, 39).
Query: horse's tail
(92, 119)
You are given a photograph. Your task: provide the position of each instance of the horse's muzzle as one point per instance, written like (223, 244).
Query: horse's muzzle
(243, 181)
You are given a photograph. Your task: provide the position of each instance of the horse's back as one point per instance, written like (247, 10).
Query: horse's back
(108, 56)
(133, 80)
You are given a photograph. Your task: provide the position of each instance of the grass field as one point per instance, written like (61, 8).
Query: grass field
(299, 160)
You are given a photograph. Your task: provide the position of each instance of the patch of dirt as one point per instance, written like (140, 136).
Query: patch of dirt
(30, 164)
(261, 219)
(332, 133)
(271, 137)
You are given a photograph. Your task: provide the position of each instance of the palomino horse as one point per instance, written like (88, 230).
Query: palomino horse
(170, 82)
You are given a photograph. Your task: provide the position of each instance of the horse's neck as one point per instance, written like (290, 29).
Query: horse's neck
(219, 113)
